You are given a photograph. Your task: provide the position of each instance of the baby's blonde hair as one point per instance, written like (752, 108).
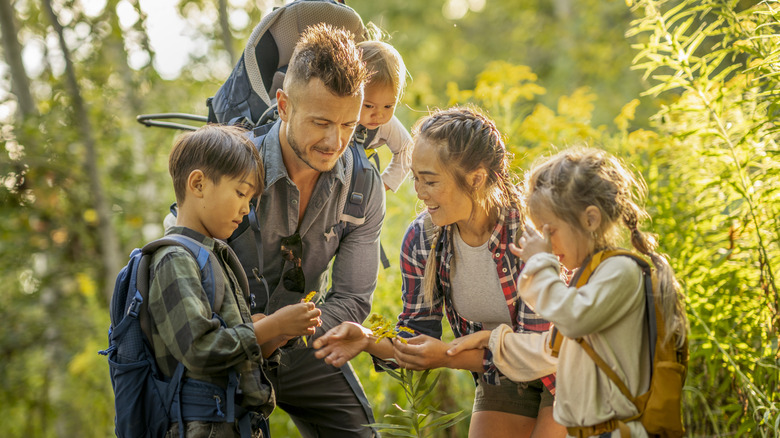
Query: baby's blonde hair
(574, 179)
(385, 65)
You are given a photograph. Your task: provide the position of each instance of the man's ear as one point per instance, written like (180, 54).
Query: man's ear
(283, 105)
(591, 218)
(477, 178)
(195, 183)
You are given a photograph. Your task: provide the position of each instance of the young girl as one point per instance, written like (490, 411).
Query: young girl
(455, 261)
(378, 125)
(579, 199)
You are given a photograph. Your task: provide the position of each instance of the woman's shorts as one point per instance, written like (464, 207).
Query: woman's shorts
(519, 398)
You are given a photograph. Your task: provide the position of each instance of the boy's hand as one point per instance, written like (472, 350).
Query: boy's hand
(299, 319)
(474, 341)
(532, 243)
(341, 343)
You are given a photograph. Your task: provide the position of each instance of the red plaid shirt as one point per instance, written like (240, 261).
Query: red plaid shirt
(426, 317)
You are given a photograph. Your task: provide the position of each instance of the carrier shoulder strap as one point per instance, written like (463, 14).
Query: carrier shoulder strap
(235, 265)
(363, 138)
(351, 202)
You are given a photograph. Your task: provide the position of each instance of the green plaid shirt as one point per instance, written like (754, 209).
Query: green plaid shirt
(183, 329)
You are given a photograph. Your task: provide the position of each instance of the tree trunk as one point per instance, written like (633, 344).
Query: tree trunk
(20, 83)
(118, 58)
(227, 37)
(108, 242)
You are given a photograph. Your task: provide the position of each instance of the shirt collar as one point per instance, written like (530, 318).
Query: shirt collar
(208, 242)
(508, 219)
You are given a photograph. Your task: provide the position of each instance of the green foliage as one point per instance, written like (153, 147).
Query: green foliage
(420, 418)
(712, 171)
(715, 188)
(549, 75)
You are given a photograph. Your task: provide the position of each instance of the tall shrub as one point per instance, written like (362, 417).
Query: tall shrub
(714, 189)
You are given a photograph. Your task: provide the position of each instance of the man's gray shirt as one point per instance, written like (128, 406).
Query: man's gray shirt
(354, 269)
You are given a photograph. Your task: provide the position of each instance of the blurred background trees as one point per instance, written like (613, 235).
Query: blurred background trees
(685, 91)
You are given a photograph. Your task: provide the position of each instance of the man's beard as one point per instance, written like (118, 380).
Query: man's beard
(300, 153)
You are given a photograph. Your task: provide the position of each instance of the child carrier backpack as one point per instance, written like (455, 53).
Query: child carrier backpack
(660, 408)
(146, 401)
(249, 94)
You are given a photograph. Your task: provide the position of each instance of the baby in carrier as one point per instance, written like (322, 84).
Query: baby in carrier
(378, 125)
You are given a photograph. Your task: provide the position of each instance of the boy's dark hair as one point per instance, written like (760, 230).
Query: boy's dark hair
(217, 151)
(329, 54)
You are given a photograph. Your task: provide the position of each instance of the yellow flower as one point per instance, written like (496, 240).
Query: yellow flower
(382, 327)
(307, 299)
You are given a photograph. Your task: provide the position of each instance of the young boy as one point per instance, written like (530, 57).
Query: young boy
(216, 171)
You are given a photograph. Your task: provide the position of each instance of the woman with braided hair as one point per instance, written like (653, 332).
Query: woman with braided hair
(455, 260)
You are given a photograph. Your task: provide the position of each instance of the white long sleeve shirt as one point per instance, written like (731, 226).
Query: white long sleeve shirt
(397, 138)
(609, 313)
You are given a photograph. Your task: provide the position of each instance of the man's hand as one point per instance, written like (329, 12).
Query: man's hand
(341, 343)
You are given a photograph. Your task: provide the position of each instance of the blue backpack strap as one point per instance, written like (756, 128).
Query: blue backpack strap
(213, 285)
(363, 138)
(355, 209)
(354, 212)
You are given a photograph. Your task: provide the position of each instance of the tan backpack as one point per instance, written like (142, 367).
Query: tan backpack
(660, 408)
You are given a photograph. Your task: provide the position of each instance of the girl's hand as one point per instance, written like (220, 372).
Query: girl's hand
(532, 243)
(341, 343)
(474, 341)
(421, 353)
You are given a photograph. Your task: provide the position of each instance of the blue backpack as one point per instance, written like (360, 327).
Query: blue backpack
(146, 401)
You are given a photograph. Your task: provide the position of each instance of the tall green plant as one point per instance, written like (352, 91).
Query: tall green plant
(420, 417)
(715, 61)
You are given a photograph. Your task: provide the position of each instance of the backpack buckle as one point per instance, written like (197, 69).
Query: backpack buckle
(360, 136)
(356, 198)
(135, 305)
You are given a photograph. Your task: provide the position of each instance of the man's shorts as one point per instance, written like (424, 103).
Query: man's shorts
(519, 398)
